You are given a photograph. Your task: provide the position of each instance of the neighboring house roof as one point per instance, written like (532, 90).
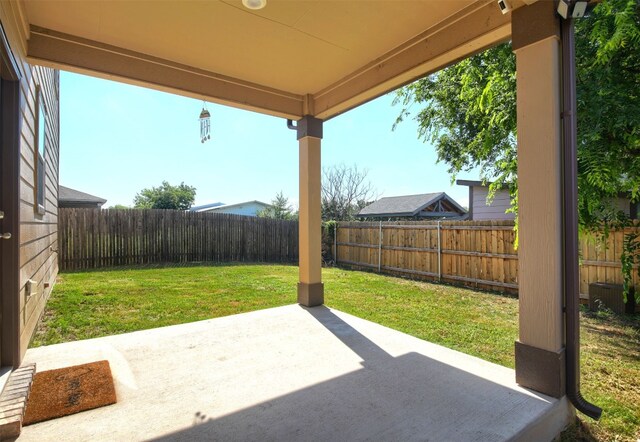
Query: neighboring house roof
(205, 206)
(472, 183)
(413, 205)
(68, 196)
(230, 206)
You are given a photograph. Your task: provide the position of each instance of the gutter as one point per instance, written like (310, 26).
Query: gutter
(570, 221)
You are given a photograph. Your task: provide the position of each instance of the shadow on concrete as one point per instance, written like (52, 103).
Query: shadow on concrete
(410, 397)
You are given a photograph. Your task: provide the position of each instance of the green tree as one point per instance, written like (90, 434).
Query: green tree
(608, 67)
(469, 112)
(118, 207)
(279, 209)
(166, 196)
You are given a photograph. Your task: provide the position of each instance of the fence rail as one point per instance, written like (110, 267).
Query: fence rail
(92, 238)
(477, 253)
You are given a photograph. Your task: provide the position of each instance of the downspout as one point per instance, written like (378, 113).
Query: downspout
(570, 219)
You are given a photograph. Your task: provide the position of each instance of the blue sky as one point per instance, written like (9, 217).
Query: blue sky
(117, 139)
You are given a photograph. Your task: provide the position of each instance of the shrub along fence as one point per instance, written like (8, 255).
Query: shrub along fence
(475, 253)
(93, 238)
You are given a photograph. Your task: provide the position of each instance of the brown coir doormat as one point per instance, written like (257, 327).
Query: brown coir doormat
(69, 390)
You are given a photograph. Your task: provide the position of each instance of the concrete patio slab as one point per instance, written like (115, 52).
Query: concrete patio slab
(292, 373)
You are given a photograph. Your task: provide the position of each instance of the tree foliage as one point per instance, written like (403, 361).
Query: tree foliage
(468, 112)
(469, 115)
(608, 68)
(166, 196)
(345, 191)
(279, 209)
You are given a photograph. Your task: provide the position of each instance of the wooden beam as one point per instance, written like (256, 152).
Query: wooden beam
(473, 29)
(310, 287)
(431, 250)
(55, 49)
(432, 274)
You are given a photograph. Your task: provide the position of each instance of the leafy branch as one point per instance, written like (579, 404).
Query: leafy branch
(629, 258)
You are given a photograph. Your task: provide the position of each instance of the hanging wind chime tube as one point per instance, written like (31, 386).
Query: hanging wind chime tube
(205, 124)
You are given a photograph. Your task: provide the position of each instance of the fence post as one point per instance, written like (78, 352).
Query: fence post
(335, 244)
(380, 247)
(439, 255)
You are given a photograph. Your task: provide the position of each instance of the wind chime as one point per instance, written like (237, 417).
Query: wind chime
(205, 124)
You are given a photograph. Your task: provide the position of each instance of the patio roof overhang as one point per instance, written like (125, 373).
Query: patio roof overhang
(289, 59)
(313, 60)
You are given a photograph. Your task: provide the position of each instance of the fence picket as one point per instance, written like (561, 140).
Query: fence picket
(476, 253)
(92, 238)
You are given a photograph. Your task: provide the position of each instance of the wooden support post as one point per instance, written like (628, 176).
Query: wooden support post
(310, 287)
(540, 349)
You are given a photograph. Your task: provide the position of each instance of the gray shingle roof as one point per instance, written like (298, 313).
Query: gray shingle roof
(407, 205)
(68, 195)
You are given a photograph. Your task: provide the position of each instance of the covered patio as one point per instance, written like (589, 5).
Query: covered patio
(295, 373)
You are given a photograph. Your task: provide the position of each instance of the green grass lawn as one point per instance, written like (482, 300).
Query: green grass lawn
(92, 304)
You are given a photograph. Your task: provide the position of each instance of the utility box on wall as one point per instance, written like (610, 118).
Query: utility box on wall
(611, 296)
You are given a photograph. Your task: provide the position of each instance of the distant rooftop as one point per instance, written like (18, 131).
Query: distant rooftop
(473, 183)
(248, 208)
(413, 205)
(68, 195)
(229, 206)
(205, 207)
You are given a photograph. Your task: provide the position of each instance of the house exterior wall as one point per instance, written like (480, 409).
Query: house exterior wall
(494, 211)
(624, 205)
(38, 232)
(502, 201)
(38, 229)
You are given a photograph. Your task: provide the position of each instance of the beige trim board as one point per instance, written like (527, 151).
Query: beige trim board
(539, 186)
(310, 217)
(474, 28)
(14, 19)
(54, 49)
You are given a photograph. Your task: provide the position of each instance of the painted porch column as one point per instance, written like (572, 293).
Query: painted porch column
(540, 362)
(310, 287)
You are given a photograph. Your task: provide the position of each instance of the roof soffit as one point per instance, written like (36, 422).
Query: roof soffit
(318, 56)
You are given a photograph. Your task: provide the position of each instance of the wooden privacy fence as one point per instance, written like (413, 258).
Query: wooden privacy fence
(93, 238)
(476, 253)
